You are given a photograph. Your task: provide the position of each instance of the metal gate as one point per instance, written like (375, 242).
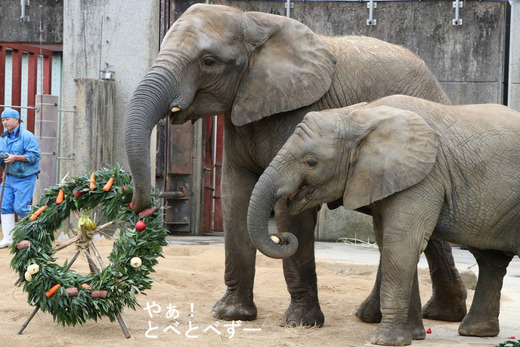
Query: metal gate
(214, 134)
(178, 149)
(28, 71)
(23, 87)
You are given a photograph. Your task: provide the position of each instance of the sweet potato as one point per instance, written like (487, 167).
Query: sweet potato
(101, 294)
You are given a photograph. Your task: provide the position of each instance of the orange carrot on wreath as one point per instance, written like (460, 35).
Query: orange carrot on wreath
(92, 184)
(53, 290)
(60, 197)
(107, 186)
(37, 212)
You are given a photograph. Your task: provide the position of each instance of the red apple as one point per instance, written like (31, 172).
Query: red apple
(140, 226)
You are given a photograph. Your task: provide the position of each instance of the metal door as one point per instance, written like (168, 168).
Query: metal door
(179, 148)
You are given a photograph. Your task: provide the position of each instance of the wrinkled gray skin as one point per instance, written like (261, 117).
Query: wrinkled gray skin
(423, 170)
(265, 72)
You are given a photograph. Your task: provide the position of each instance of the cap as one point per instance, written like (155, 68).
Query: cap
(10, 113)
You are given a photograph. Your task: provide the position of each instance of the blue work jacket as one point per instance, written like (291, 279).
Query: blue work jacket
(21, 142)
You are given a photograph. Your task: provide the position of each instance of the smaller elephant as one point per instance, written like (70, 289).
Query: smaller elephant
(422, 170)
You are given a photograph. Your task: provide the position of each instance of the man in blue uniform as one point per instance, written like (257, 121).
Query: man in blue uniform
(20, 153)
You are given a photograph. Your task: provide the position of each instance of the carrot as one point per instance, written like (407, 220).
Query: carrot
(59, 198)
(37, 213)
(52, 290)
(92, 184)
(107, 186)
(86, 286)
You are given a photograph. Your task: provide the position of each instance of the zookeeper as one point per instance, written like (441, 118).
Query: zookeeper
(20, 153)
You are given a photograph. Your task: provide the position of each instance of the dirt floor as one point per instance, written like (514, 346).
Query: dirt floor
(190, 277)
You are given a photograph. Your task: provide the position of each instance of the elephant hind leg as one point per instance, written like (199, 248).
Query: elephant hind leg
(415, 321)
(369, 311)
(448, 300)
(482, 319)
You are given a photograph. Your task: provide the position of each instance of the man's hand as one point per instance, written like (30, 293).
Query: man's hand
(11, 158)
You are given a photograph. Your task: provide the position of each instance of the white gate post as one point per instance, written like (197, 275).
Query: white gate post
(46, 131)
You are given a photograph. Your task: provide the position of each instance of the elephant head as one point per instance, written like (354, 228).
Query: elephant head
(359, 154)
(217, 59)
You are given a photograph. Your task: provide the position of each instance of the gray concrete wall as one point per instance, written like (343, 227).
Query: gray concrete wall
(514, 58)
(468, 59)
(117, 36)
(93, 125)
(47, 12)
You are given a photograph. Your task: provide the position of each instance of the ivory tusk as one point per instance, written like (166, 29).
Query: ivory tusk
(175, 109)
(275, 239)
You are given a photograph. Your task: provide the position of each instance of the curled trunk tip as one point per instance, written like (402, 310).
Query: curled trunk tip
(263, 199)
(282, 246)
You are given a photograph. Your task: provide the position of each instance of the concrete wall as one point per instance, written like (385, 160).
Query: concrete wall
(47, 12)
(514, 58)
(119, 37)
(468, 59)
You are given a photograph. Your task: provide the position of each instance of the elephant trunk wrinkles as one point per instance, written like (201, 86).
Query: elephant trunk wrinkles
(261, 204)
(148, 105)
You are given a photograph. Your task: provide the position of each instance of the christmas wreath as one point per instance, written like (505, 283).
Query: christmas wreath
(72, 297)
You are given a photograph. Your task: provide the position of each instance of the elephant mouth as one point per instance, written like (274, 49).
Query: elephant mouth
(177, 116)
(300, 195)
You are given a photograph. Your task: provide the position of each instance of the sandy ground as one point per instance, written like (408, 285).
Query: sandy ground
(190, 277)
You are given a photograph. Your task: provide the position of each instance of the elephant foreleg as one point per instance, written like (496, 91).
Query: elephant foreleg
(482, 318)
(300, 271)
(398, 289)
(237, 303)
(448, 300)
(403, 223)
(369, 311)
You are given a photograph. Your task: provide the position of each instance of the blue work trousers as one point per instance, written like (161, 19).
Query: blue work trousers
(18, 194)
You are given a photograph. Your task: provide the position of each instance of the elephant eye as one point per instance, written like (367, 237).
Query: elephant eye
(311, 162)
(209, 61)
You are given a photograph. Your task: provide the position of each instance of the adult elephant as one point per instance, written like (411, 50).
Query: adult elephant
(424, 170)
(265, 72)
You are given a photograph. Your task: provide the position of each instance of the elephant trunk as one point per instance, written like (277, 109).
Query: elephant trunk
(148, 105)
(261, 204)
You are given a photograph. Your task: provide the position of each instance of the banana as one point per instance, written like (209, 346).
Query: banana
(81, 221)
(85, 221)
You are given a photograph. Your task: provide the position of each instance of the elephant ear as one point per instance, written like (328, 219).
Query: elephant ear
(395, 149)
(290, 67)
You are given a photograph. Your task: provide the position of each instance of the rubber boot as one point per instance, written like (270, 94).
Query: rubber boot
(7, 230)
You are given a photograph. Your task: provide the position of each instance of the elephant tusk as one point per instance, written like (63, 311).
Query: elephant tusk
(175, 109)
(275, 239)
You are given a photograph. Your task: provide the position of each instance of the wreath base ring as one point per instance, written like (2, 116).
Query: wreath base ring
(71, 297)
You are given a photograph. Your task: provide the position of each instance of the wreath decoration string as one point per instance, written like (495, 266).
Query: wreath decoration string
(71, 297)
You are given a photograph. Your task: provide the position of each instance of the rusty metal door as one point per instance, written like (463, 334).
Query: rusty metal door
(176, 175)
(214, 135)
